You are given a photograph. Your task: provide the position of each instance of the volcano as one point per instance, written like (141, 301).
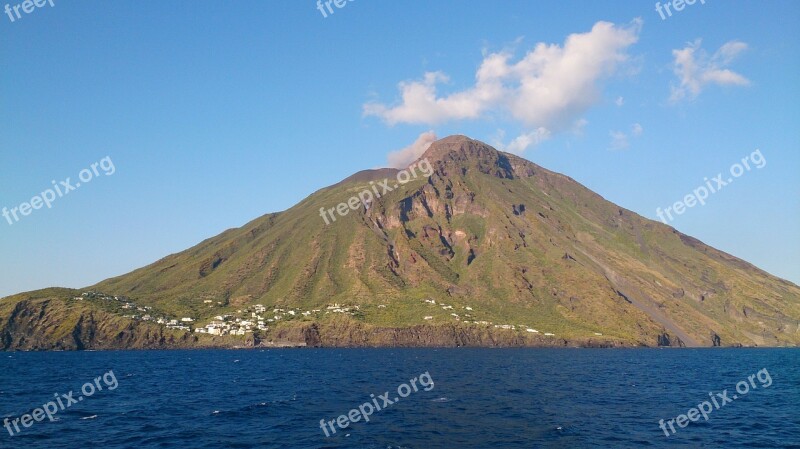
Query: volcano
(489, 250)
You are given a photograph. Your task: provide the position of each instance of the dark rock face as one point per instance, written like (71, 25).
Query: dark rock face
(666, 340)
(354, 334)
(715, 340)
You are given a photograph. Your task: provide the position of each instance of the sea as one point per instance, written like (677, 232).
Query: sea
(402, 398)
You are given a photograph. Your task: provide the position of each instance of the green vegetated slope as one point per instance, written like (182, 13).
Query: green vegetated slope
(489, 240)
(52, 319)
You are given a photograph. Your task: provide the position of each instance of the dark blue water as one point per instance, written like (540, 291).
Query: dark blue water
(511, 398)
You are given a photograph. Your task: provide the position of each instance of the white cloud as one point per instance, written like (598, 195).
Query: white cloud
(547, 89)
(619, 101)
(404, 157)
(695, 69)
(579, 126)
(421, 105)
(524, 140)
(619, 139)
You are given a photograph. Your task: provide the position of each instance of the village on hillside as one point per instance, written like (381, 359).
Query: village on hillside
(259, 317)
(240, 322)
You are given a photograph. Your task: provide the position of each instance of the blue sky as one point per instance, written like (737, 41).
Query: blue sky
(215, 113)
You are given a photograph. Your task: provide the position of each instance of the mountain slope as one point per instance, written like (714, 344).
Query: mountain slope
(487, 242)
